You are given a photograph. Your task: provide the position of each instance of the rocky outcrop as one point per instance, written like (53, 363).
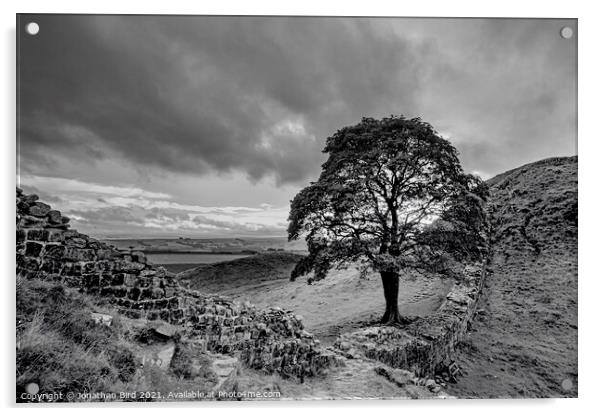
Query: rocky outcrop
(273, 340)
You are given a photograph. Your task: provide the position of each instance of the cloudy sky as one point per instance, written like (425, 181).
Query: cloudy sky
(208, 126)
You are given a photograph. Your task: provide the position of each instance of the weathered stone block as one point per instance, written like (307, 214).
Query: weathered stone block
(118, 279)
(91, 280)
(91, 267)
(55, 235)
(37, 234)
(29, 263)
(71, 233)
(78, 267)
(54, 250)
(28, 221)
(54, 217)
(146, 293)
(106, 291)
(133, 313)
(139, 256)
(101, 318)
(22, 206)
(75, 242)
(68, 267)
(459, 297)
(148, 304)
(134, 293)
(93, 244)
(148, 273)
(119, 291)
(104, 254)
(176, 314)
(157, 293)
(73, 254)
(138, 305)
(164, 314)
(130, 279)
(51, 267)
(104, 265)
(39, 209)
(143, 282)
(33, 249)
(21, 236)
(129, 266)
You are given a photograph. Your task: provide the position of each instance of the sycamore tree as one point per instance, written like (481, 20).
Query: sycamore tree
(393, 196)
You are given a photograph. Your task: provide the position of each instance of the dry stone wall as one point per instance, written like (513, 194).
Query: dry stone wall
(427, 342)
(273, 340)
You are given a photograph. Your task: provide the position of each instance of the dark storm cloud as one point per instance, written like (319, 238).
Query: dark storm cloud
(260, 95)
(191, 94)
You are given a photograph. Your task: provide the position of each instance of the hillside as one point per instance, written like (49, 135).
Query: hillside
(338, 304)
(524, 342)
(236, 274)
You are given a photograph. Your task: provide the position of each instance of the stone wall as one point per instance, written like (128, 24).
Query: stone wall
(428, 341)
(273, 340)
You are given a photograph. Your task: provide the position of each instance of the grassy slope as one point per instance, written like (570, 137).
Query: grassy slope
(340, 303)
(524, 343)
(232, 275)
(60, 348)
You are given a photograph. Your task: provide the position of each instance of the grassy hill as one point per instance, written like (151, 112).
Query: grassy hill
(524, 343)
(340, 303)
(232, 275)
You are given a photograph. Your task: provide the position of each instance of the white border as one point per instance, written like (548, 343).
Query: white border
(590, 72)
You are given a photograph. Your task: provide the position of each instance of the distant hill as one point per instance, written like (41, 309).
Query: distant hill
(232, 275)
(524, 343)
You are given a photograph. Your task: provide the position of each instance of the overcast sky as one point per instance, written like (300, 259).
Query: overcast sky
(208, 126)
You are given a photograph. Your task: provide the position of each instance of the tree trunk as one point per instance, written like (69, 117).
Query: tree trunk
(391, 289)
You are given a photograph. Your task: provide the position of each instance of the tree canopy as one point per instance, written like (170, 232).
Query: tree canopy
(392, 194)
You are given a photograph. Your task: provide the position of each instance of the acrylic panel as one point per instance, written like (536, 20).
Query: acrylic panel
(283, 208)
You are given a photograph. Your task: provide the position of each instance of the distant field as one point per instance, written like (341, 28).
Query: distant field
(191, 258)
(229, 245)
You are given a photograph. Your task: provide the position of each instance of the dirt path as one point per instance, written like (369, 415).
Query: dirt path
(357, 379)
